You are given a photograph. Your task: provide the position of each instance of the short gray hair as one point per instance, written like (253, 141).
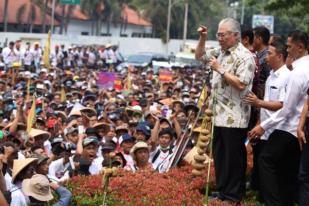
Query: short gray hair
(234, 25)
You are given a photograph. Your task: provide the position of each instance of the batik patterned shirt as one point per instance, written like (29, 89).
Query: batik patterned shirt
(230, 111)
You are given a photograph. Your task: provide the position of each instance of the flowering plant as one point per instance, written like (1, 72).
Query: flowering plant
(178, 187)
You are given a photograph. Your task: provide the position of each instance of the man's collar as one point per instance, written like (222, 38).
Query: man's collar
(278, 71)
(231, 49)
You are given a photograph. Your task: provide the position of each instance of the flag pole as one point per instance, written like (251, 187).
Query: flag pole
(210, 148)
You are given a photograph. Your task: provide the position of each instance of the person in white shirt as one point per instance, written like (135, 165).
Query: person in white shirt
(9, 55)
(140, 155)
(273, 98)
(37, 56)
(126, 142)
(28, 57)
(18, 52)
(57, 56)
(22, 169)
(279, 160)
(10, 154)
(91, 58)
(161, 155)
(58, 170)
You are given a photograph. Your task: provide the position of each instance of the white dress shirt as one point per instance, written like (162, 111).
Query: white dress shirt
(274, 91)
(59, 171)
(286, 119)
(28, 57)
(8, 56)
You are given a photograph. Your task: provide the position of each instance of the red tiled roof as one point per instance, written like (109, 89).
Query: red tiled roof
(13, 8)
(134, 18)
(131, 15)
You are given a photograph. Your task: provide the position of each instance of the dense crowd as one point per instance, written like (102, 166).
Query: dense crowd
(58, 122)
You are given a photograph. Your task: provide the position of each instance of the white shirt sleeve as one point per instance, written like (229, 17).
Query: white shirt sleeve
(289, 104)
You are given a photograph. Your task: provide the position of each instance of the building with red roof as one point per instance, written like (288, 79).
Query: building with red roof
(24, 16)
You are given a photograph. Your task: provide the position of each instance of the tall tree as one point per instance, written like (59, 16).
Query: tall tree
(289, 14)
(28, 11)
(44, 13)
(63, 7)
(93, 8)
(5, 15)
(100, 11)
(206, 12)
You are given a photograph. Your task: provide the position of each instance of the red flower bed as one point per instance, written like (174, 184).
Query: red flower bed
(176, 188)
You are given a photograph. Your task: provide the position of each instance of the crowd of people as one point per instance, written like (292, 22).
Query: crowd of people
(258, 84)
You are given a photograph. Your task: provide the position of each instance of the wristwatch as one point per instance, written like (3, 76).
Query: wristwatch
(221, 71)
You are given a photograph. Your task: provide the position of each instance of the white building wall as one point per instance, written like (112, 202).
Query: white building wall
(126, 45)
(76, 27)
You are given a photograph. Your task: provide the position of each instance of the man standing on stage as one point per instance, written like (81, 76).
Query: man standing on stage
(233, 67)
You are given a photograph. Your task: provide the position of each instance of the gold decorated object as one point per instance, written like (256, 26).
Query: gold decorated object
(200, 159)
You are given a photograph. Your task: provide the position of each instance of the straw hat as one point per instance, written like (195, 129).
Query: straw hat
(108, 45)
(89, 111)
(62, 115)
(37, 187)
(178, 102)
(137, 146)
(102, 125)
(37, 132)
(19, 165)
(134, 110)
(20, 126)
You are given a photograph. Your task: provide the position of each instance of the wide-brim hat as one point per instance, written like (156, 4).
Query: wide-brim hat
(122, 127)
(19, 165)
(62, 115)
(89, 111)
(40, 158)
(37, 132)
(38, 187)
(101, 125)
(134, 110)
(108, 45)
(20, 126)
(137, 146)
(178, 102)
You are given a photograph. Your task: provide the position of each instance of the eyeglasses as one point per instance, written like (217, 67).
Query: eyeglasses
(222, 35)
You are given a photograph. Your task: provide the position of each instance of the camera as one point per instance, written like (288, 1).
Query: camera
(67, 146)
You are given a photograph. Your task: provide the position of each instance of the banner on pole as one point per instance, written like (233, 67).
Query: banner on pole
(106, 80)
(165, 76)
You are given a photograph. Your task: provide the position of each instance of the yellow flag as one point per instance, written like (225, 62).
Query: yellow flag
(31, 115)
(63, 96)
(203, 97)
(47, 51)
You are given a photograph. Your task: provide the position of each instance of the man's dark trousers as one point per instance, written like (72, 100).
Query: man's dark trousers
(278, 168)
(230, 160)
